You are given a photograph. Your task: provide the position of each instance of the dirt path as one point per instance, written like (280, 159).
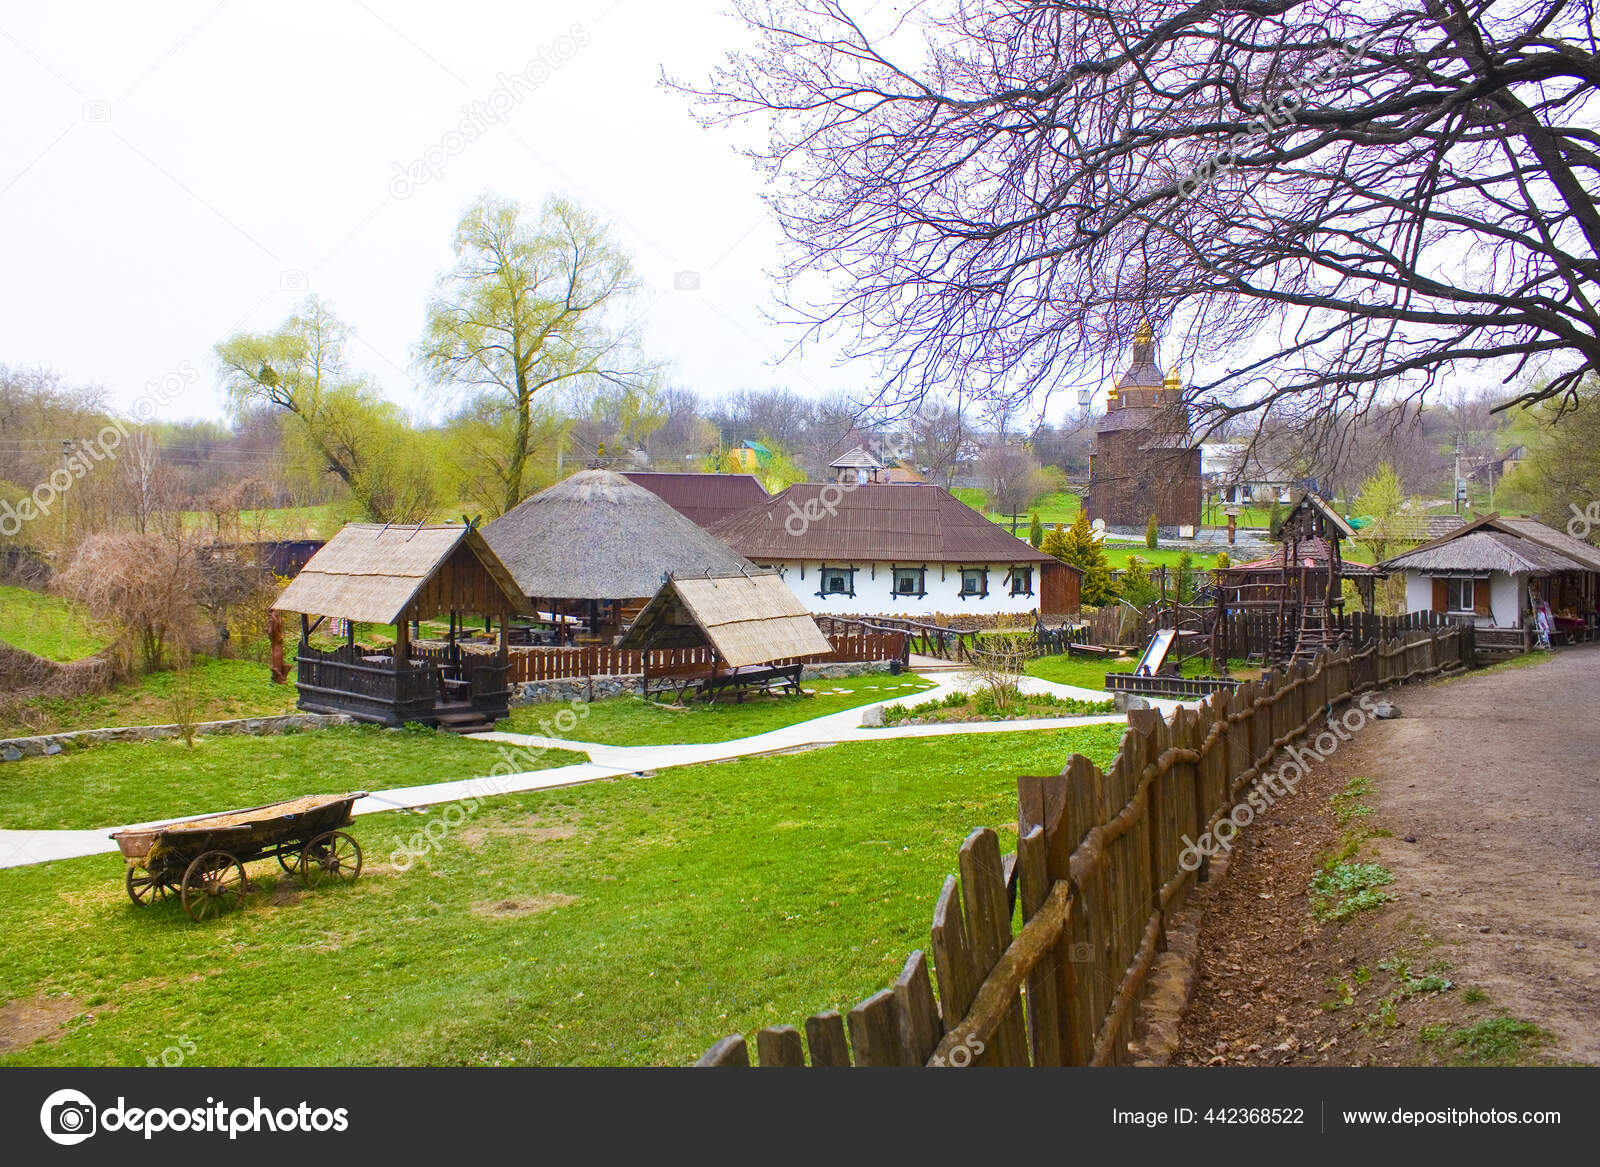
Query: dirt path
(1485, 805)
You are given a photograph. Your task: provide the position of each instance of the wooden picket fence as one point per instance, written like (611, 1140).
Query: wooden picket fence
(554, 664)
(1097, 873)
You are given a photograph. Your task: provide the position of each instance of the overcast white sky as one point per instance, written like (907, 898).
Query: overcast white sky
(172, 172)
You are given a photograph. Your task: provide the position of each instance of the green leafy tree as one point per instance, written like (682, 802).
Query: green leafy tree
(1560, 478)
(1382, 499)
(528, 306)
(1223, 561)
(1152, 533)
(1036, 530)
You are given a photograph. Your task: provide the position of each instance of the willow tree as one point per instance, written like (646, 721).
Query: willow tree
(339, 423)
(528, 306)
(1324, 201)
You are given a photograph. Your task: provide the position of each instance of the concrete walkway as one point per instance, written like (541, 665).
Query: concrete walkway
(18, 848)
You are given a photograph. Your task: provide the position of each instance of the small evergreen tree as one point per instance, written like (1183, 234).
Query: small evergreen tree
(1185, 577)
(1275, 521)
(1036, 531)
(1137, 586)
(1078, 547)
(1054, 543)
(1152, 533)
(1224, 561)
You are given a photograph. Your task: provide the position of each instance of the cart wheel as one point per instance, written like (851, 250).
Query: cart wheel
(144, 888)
(213, 884)
(289, 855)
(334, 855)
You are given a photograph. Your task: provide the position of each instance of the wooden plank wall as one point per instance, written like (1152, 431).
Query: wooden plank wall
(1097, 873)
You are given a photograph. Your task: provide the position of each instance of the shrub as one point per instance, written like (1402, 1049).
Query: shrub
(1152, 533)
(1035, 531)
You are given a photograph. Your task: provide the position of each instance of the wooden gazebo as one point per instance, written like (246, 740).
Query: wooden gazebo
(402, 575)
(752, 626)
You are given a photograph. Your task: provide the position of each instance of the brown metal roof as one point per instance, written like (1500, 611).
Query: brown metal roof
(913, 522)
(704, 498)
(1313, 553)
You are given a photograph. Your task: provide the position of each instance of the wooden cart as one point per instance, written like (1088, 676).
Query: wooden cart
(202, 860)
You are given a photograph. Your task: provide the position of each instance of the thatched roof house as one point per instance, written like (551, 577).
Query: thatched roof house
(598, 546)
(745, 619)
(1496, 569)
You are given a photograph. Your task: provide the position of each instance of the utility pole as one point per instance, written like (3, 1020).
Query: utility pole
(1460, 486)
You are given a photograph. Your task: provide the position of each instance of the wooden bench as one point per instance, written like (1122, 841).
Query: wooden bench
(712, 681)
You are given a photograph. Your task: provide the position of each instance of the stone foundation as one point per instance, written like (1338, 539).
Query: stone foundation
(13, 749)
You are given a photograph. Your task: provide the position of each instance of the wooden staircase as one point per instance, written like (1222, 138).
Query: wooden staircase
(462, 717)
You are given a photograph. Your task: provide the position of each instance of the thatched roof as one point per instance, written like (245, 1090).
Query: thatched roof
(748, 619)
(1480, 551)
(597, 536)
(370, 572)
(1560, 542)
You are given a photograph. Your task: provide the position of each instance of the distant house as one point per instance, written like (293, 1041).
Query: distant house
(857, 464)
(750, 457)
(909, 549)
(1237, 476)
(703, 498)
(1495, 569)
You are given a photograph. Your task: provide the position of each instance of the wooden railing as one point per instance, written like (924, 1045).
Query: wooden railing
(934, 640)
(1099, 869)
(553, 664)
(1163, 685)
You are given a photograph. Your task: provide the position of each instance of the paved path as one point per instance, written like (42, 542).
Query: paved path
(18, 848)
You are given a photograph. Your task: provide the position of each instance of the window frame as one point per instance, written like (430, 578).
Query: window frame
(1451, 583)
(983, 583)
(1027, 569)
(894, 581)
(823, 591)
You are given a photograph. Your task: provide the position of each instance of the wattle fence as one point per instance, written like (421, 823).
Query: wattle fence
(1099, 870)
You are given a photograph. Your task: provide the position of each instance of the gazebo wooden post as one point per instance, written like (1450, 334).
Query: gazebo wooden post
(402, 641)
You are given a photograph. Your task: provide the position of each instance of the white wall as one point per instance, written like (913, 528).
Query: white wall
(1507, 594)
(875, 596)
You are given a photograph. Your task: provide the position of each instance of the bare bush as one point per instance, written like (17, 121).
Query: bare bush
(145, 587)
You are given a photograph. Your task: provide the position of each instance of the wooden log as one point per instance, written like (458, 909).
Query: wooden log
(729, 1052)
(988, 918)
(920, 1024)
(875, 1031)
(780, 1045)
(825, 1039)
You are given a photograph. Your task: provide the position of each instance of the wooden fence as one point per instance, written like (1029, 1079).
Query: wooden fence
(934, 640)
(553, 664)
(1098, 871)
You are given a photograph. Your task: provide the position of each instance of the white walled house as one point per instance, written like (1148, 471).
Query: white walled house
(1494, 569)
(897, 549)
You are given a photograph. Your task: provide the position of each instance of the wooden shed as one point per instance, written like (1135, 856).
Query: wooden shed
(401, 575)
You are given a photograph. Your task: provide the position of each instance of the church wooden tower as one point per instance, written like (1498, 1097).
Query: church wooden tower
(1145, 460)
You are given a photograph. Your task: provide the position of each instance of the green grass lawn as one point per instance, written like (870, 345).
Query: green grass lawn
(46, 626)
(127, 782)
(631, 922)
(1117, 556)
(224, 688)
(630, 721)
(1091, 674)
(1057, 507)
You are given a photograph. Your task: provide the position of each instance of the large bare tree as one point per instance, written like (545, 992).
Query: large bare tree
(1326, 201)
